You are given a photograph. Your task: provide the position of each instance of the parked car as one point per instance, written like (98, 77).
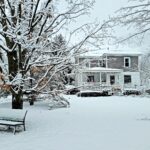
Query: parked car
(72, 91)
(148, 91)
(93, 94)
(132, 92)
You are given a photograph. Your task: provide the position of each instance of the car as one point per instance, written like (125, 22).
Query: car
(72, 91)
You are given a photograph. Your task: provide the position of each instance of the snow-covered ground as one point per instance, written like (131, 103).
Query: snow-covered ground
(101, 123)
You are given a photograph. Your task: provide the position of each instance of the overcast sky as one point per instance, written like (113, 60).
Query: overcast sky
(101, 11)
(103, 8)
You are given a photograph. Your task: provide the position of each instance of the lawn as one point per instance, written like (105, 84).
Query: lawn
(100, 123)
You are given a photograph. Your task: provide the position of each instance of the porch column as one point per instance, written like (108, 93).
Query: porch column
(81, 79)
(106, 62)
(107, 78)
(100, 80)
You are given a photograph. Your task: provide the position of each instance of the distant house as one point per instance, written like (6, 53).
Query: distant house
(101, 70)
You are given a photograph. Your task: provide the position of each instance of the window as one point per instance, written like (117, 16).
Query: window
(94, 63)
(127, 61)
(103, 77)
(90, 79)
(127, 79)
(102, 63)
(112, 79)
(87, 65)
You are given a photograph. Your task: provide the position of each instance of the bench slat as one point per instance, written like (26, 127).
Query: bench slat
(4, 122)
(12, 114)
(13, 117)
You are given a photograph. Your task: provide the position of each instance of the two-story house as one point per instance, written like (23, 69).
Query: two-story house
(105, 70)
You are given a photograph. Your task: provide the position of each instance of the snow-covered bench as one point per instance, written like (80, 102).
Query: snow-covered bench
(13, 118)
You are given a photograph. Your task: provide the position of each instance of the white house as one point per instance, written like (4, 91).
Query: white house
(108, 70)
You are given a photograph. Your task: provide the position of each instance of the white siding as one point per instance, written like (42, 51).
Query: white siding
(135, 79)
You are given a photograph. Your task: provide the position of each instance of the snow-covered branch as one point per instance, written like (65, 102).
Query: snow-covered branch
(135, 18)
(36, 42)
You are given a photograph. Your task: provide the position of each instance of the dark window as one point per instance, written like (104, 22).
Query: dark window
(90, 79)
(127, 79)
(126, 62)
(102, 63)
(112, 79)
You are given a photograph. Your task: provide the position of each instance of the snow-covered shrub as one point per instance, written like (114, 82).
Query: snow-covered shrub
(58, 102)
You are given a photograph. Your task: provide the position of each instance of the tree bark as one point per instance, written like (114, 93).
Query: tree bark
(17, 101)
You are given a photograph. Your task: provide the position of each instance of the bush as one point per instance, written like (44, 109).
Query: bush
(148, 91)
(58, 102)
(72, 91)
(93, 94)
(4, 93)
(131, 92)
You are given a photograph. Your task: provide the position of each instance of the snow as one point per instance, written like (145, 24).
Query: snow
(112, 51)
(15, 115)
(68, 87)
(10, 122)
(102, 69)
(91, 123)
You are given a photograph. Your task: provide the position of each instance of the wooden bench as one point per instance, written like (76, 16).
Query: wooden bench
(13, 118)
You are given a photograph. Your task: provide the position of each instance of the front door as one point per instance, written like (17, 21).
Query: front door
(112, 79)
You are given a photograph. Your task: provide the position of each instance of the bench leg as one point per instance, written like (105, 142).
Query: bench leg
(24, 127)
(14, 130)
(8, 127)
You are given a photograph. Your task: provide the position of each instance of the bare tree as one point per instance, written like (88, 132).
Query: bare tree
(135, 20)
(27, 27)
(135, 17)
(145, 70)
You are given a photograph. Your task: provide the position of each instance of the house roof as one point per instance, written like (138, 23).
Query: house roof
(96, 53)
(111, 51)
(122, 53)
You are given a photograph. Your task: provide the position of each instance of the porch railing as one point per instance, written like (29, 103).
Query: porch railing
(96, 86)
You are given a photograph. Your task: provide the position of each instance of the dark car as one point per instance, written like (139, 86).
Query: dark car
(73, 91)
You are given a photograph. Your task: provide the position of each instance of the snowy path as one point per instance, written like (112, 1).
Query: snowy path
(102, 123)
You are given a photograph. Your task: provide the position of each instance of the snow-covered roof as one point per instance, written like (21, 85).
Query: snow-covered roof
(112, 51)
(101, 69)
(122, 53)
(96, 53)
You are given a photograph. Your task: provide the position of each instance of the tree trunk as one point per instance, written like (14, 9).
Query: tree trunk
(12, 64)
(17, 101)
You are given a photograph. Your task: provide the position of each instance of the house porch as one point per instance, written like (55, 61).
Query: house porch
(100, 79)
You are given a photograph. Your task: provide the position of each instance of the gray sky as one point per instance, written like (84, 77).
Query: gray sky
(103, 8)
(101, 11)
